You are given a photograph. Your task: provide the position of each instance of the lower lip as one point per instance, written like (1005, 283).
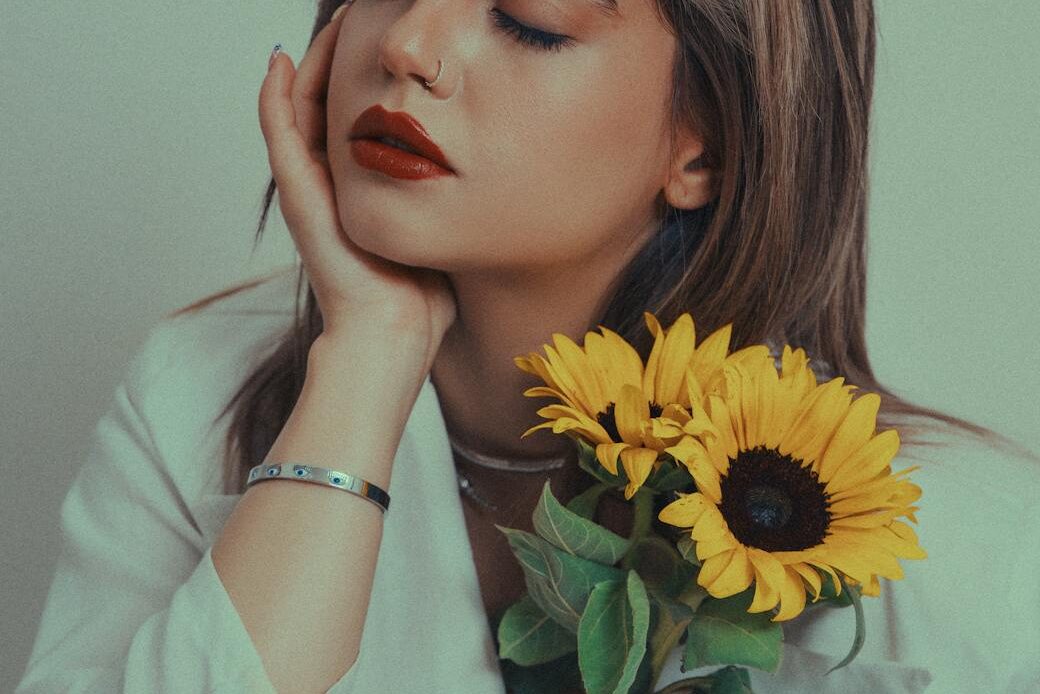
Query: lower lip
(379, 156)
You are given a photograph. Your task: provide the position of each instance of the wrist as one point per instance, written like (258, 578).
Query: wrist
(368, 348)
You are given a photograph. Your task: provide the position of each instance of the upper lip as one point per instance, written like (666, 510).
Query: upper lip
(375, 121)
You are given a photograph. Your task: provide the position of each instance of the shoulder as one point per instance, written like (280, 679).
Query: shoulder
(963, 477)
(223, 326)
(191, 364)
(979, 522)
(967, 613)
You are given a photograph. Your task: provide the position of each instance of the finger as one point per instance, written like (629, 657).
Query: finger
(305, 189)
(278, 122)
(310, 87)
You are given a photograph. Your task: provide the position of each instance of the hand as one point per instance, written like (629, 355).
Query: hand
(349, 283)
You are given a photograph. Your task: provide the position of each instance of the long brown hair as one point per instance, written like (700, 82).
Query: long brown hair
(781, 92)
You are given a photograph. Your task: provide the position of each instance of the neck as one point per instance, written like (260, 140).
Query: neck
(479, 386)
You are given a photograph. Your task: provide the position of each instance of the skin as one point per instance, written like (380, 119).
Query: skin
(559, 154)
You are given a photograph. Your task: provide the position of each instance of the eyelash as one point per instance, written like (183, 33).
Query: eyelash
(529, 36)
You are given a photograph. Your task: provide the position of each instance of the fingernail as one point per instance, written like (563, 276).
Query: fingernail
(274, 54)
(338, 10)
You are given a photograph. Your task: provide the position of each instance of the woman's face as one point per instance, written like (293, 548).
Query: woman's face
(559, 154)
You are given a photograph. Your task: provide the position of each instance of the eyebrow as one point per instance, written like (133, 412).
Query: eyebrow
(608, 8)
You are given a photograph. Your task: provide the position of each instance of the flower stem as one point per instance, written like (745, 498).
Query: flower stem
(644, 515)
(643, 518)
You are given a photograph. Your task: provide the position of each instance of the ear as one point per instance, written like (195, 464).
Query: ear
(690, 183)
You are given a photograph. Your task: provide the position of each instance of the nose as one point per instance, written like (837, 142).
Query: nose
(413, 44)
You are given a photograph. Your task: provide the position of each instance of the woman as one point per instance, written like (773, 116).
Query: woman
(597, 159)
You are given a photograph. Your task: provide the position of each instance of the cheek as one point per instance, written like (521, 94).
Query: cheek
(580, 178)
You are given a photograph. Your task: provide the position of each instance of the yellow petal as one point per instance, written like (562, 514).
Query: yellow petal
(638, 462)
(712, 546)
(866, 463)
(796, 371)
(598, 363)
(860, 503)
(686, 448)
(735, 577)
(540, 391)
(822, 565)
(810, 575)
(736, 403)
(694, 390)
(577, 365)
(767, 391)
(816, 421)
(847, 557)
(713, 567)
(705, 476)
(653, 360)
(665, 428)
(769, 574)
(560, 377)
(711, 352)
(567, 418)
(710, 525)
(675, 355)
(899, 543)
(852, 434)
(543, 425)
(870, 519)
(607, 455)
(792, 596)
(684, 511)
(719, 412)
(873, 588)
(631, 412)
(624, 363)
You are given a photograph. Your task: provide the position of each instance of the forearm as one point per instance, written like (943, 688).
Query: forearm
(298, 559)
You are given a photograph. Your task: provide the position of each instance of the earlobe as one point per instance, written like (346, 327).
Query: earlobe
(693, 187)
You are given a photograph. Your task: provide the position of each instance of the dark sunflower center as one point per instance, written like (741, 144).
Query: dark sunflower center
(773, 503)
(609, 424)
(768, 507)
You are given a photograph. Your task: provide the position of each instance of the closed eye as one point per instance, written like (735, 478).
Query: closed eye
(529, 36)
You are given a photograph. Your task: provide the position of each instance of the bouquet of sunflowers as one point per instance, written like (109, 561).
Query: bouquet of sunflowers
(771, 486)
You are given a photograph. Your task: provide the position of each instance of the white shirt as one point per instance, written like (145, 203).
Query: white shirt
(137, 606)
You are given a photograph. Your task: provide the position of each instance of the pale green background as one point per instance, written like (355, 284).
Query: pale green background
(132, 167)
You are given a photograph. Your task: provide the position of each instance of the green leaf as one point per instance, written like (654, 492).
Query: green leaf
(527, 636)
(731, 680)
(670, 619)
(588, 462)
(585, 504)
(558, 582)
(574, 534)
(728, 680)
(688, 549)
(861, 628)
(670, 477)
(560, 675)
(612, 635)
(723, 632)
(829, 596)
(659, 565)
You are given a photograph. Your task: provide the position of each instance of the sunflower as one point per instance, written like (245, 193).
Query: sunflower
(792, 484)
(610, 400)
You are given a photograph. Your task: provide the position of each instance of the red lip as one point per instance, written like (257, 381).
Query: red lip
(375, 121)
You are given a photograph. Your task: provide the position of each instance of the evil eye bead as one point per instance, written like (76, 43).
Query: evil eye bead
(274, 471)
(301, 470)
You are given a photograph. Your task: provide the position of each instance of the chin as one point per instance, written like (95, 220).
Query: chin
(397, 244)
